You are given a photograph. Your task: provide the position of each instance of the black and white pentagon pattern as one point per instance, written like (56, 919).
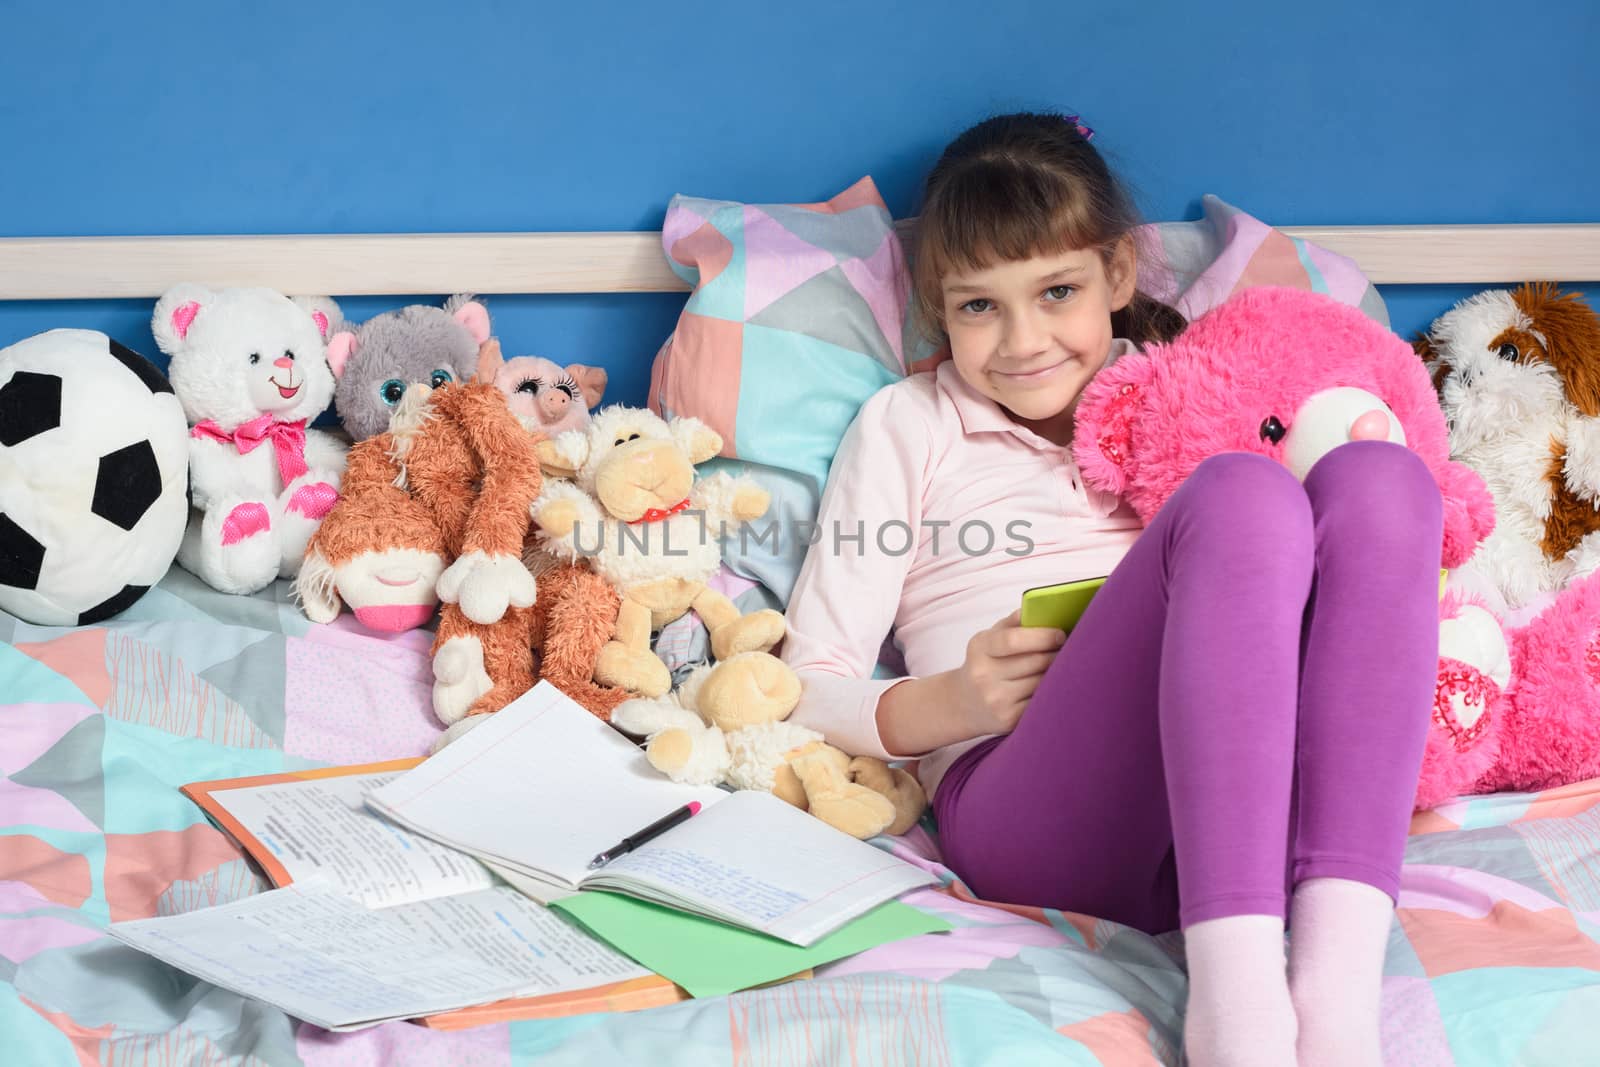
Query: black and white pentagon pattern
(30, 404)
(21, 555)
(113, 605)
(143, 369)
(127, 483)
(93, 466)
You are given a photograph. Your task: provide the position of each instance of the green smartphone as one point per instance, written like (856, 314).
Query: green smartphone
(1061, 605)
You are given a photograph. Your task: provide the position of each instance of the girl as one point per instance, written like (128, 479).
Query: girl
(1233, 732)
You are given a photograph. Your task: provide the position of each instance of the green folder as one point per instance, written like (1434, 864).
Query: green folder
(708, 958)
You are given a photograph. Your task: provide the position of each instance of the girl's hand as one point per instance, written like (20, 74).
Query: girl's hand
(1003, 666)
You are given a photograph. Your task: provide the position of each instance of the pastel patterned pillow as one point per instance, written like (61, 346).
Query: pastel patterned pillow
(1200, 264)
(797, 316)
(801, 311)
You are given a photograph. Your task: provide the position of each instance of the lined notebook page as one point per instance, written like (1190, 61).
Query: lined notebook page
(757, 862)
(541, 787)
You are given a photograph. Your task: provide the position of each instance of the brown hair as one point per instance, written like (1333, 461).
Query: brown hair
(1023, 185)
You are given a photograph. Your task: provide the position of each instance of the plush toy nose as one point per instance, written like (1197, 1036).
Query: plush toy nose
(555, 401)
(283, 361)
(1373, 426)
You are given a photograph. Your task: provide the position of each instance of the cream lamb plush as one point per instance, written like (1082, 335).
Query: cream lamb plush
(250, 371)
(727, 724)
(622, 492)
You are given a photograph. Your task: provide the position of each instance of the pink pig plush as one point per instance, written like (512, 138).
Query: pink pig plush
(546, 396)
(1291, 375)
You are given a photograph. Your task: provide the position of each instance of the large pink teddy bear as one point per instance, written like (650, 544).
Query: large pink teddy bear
(1291, 375)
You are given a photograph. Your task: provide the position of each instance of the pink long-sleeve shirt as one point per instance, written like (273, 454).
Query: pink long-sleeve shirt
(939, 512)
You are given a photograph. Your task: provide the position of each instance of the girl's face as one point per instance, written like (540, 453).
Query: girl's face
(1029, 334)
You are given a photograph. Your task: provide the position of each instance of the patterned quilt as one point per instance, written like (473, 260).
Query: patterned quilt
(1494, 957)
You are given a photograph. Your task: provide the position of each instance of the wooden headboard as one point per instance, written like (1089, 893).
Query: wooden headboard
(69, 268)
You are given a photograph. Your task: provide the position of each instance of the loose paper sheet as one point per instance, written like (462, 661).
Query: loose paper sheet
(324, 958)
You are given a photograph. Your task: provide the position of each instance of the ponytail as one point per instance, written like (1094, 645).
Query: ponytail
(1147, 320)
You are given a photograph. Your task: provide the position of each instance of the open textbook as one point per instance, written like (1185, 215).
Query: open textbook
(544, 786)
(373, 916)
(325, 958)
(374, 922)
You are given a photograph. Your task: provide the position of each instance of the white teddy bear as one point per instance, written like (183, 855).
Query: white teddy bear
(250, 369)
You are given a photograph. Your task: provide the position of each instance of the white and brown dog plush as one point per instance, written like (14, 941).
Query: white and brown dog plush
(1518, 375)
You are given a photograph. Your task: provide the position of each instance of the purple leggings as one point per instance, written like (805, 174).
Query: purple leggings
(1242, 707)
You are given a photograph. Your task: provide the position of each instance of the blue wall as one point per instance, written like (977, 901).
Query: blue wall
(285, 117)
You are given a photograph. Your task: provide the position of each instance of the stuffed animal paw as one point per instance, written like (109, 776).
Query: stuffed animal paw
(232, 545)
(486, 585)
(697, 755)
(459, 678)
(900, 786)
(303, 504)
(625, 667)
(1551, 733)
(824, 776)
(557, 517)
(759, 631)
(681, 744)
(749, 688)
(750, 502)
(1467, 715)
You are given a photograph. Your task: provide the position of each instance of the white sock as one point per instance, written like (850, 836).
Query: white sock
(1339, 932)
(1239, 1012)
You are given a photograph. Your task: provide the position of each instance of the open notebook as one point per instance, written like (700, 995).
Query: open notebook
(543, 786)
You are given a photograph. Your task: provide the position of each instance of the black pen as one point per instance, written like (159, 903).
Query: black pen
(655, 829)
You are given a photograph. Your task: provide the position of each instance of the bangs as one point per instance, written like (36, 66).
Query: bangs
(996, 211)
(1019, 187)
(1002, 212)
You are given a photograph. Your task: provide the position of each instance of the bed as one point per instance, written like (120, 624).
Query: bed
(1494, 957)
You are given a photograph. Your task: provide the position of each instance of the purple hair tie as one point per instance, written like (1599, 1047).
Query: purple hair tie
(1083, 131)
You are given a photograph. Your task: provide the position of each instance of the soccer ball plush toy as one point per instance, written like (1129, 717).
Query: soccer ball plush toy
(1291, 375)
(94, 464)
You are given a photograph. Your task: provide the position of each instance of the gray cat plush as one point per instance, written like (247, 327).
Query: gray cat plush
(377, 360)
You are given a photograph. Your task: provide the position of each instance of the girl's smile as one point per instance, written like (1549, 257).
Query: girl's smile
(1030, 333)
(1031, 377)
